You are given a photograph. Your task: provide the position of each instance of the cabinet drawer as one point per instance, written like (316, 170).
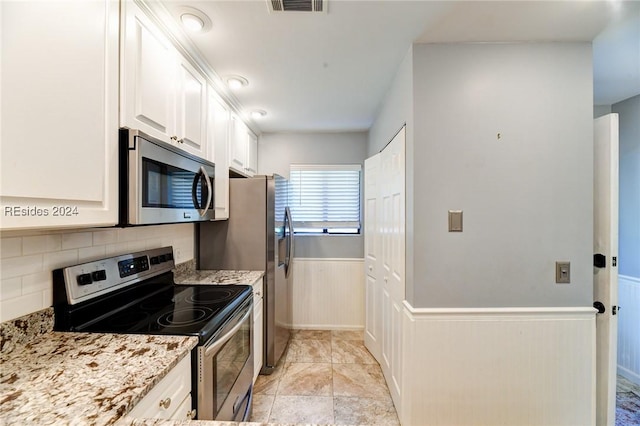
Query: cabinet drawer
(166, 397)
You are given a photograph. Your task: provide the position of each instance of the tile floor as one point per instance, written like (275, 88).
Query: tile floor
(325, 377)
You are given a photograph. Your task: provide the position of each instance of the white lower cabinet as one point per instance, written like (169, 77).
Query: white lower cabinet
(169, 399)
(258, 327)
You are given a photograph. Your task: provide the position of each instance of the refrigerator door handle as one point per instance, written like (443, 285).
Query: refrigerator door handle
(289, 236)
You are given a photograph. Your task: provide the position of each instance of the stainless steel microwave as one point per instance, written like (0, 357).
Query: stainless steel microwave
(160, 183)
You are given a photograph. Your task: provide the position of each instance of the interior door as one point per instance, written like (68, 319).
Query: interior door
(605, 283)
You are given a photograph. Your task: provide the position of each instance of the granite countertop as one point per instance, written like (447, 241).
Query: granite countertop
(81, 378)
(187, 274)
(50, 377)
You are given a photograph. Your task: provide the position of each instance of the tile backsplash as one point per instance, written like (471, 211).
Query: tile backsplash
(27, 258)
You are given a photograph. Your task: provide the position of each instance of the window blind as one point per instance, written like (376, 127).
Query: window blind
(325, 198)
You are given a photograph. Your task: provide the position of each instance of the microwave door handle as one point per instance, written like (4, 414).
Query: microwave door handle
(202, 174)
(209, 189)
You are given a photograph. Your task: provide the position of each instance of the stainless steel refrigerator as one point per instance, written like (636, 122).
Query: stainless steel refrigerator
(257, 236)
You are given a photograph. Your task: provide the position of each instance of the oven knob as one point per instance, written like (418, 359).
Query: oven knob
(162, 258)
(100, 275)
(84, 279)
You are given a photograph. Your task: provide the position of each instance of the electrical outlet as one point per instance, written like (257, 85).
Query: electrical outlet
(563, 272)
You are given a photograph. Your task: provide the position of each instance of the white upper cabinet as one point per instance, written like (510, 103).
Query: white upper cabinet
(148, 76)
(59, 114)
(252, 153)
(238, 145)
(162, 93)
(218, 151)
(243, 148)
(191, 107)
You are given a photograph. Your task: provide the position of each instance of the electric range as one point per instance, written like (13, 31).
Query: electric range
(135, 293)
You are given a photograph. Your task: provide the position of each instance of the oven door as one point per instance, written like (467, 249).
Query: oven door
(225, 370)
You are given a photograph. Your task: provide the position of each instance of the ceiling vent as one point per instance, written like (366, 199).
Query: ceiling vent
(297, 5)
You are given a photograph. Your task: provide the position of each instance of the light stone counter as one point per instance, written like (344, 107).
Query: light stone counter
(187, 274)
(61, 378)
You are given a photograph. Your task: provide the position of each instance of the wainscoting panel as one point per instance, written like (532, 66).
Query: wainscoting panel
(503, 366)
(629, 328)
(328, 293)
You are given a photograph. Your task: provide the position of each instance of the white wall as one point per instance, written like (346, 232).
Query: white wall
(628, 320)
(29, 257)
(526, 195)
(328, 294)
(629, 221)
(498, 366)
(277, 151)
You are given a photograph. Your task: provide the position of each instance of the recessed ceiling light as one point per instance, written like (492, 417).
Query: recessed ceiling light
(236, 82)
(258, 114)
(194, 20)
(191, 22)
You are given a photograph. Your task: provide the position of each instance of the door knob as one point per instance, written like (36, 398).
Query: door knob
(600, 307)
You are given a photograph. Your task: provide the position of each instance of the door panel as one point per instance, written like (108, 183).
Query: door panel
(605, 283)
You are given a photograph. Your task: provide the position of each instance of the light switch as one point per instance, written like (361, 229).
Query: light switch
(455, 220)
(563, 272)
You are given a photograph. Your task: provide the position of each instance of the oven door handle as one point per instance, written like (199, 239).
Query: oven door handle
(224, 339)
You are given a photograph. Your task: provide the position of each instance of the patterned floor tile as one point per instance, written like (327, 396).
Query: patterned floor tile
(309, 351)
(364, 411)
(302, 409)
(350, 352)
(306, 379)
(359, 380)
(311, 334)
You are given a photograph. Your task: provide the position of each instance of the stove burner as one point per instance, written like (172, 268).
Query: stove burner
(128, 319)
(210, 293)
(186, 316)
(156, 304)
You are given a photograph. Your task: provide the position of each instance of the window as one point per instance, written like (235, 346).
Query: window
(325, 199)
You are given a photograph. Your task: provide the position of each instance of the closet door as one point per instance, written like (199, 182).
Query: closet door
(392, 231)
(372, 258)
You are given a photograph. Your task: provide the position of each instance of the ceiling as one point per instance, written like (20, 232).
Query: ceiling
(330, 71)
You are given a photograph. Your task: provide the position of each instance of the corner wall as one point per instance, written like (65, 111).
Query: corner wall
(503, 132)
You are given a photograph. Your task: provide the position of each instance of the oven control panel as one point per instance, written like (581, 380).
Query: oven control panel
(78, 283)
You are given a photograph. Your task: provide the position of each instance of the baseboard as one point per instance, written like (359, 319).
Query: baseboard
(327, 327)
(629, 375)
(628, 335)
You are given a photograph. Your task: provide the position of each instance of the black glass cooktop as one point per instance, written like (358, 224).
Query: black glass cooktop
(160, 307)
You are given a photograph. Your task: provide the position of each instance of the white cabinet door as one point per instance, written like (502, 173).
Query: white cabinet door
(218, 151)
(258, 339)
(167, 399)
(59, 114)
(148, 76)
(252, 153)
(238, 145)
(191, 107)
